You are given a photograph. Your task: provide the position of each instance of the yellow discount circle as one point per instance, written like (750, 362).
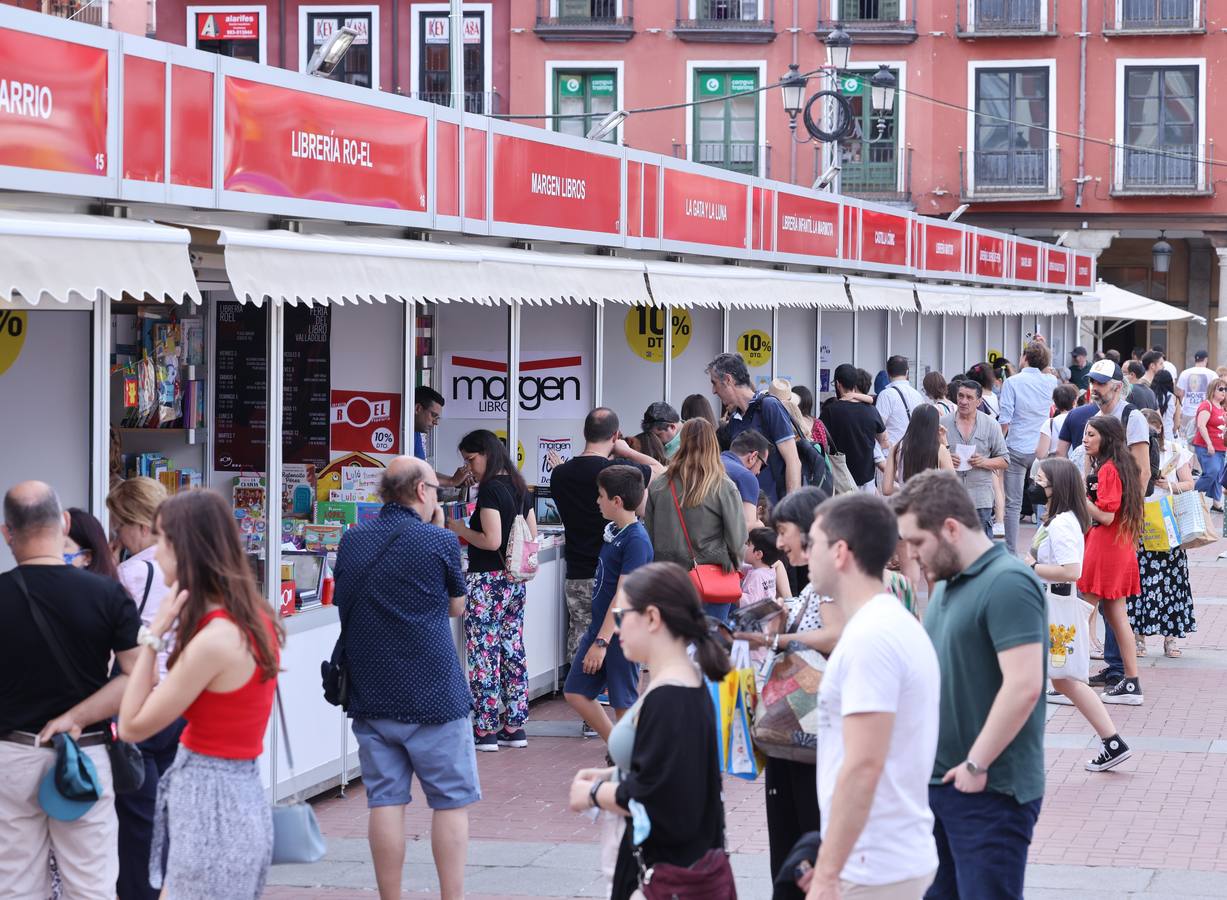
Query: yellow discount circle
(501, 434)
(755, 348)
(12, 337)
(645, 331)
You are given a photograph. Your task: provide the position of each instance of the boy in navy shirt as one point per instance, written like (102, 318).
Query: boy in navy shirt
(599, 662)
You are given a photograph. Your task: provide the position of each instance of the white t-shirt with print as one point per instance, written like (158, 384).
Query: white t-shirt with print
(1194, 381)
(884, 662)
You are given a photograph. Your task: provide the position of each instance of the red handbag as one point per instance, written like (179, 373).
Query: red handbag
(712, 582)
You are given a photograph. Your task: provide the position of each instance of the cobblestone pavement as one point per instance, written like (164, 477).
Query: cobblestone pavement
(1153, 828)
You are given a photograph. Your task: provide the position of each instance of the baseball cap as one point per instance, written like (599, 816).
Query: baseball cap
(659, 413)
(71, 786)
(1104, 371)
(1078, 351)
(1200, 355)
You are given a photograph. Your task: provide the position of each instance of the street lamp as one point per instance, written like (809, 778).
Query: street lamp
(839, 48)
(792, 93)
(882, 91)
(1161, 254)
(325, 59)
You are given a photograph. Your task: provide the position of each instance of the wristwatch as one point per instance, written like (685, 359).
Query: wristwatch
(602, 643)
(973, 769)
(146, 638)
(596, 786)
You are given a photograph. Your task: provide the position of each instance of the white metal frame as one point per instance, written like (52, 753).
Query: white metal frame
(1123, 64)
(724, 65)
(415, 40)
(143, 48)
(921, 253)
(202, 61)
(341, 10)
(973, 70)
(261, 9)
(746, 181)
(554, 66)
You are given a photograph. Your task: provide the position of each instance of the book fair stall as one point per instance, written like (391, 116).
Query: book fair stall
(227, 275)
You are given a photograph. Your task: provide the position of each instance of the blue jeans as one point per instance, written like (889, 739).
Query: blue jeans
(986, 520)
(982, 842)
(1111, 649)
(1210, 482)
(718, 611)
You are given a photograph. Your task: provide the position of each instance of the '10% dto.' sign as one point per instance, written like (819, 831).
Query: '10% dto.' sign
(645, 331)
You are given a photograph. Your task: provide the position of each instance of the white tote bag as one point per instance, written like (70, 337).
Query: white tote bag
(1069, 644)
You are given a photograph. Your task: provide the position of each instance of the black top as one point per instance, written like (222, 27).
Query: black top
(676, 776)
(91, 617)
(496, 493)
(1141, 396)
(854, 429)
(573, 486)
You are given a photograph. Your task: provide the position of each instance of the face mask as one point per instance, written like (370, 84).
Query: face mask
(1037, 495)
(674, 443)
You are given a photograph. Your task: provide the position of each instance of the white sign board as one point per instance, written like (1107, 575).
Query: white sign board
(552, 385)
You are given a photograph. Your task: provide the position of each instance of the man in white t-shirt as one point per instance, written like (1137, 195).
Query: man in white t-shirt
(1191, 389)
(898, 400)
(878, 713)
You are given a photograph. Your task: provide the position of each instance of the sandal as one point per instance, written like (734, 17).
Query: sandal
(1141, 645)
(1170, 650)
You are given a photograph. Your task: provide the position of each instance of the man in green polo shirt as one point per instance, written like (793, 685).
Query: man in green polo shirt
(988, 623)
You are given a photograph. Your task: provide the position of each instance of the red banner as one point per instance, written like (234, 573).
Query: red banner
(634, 198)
(53, 104)
(1056, 271)
(286, 143)
(366, 421)
(700, 209)
(988, 260)
(943, 249)
(228, 26)
(1026, 262)
(807, 226)
(651, 200)
(447, 168)
(191, 127)
(474, 173)
(544, 184)
(144, 118)
(883, 237)
(1084, 267)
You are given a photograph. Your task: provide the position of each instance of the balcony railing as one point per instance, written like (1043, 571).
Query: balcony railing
(871, 31)
(726, 21)
(78, 10)
(487, 103)
(880, 180)
(1006, 18)
(1173, 169)
(1154, 17)
(1010, 174)
(585, 20)
(736, 157)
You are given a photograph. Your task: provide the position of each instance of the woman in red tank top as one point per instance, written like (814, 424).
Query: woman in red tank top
(222, 675)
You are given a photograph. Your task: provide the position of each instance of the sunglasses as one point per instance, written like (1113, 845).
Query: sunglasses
(618, 612)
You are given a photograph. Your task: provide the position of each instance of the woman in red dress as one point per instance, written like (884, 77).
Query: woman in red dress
(1110, 569)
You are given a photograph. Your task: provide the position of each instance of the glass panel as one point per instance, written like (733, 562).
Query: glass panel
(1142, 82)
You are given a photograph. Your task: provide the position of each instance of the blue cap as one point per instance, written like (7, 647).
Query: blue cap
(71, 786)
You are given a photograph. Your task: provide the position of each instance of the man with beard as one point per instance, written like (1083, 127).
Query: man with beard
(988, 623)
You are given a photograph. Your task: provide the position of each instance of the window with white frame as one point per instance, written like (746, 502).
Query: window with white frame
(867, 10)
(359, 66)
(1009, 15)
(1157, 14)
(1012, 129)
(1161, 127)
(582, 97)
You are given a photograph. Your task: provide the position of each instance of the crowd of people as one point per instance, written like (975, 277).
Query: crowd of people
(919, 773)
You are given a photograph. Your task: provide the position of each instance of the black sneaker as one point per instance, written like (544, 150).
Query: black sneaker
(1114, 752)
(1127, 691)
(1103, 679)
(509, 738)
(486, 743)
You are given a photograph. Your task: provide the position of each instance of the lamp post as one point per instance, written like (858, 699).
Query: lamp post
(882, 87)
(792, 93)
(1161, 254)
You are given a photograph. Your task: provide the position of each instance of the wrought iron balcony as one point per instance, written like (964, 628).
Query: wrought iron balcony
(91, 13)
(585, 20)
(1010, 174)
(487, 103)
(1186, 170)
(1129, 17)
(871, 30)
(1006, 18)
(880, 179)
(734, 156)
(726, 21)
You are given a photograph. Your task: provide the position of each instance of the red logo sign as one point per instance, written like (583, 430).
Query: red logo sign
(989, 257)
(228, 26)
(943, 249)
(1057, 269)
(285, 143)
(53, 104)
(366, 421)
(1026, 262)
(806, 226)
(537, 183)
(1083, 269)
(883, 237)
(700, 209)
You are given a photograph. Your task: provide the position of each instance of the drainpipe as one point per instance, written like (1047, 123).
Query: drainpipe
(1083, 34)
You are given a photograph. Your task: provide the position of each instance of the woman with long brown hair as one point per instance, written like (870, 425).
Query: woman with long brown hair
(1110, 568)
(696, 487)
(222, 675)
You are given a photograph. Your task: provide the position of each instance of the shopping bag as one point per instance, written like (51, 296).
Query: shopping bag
(841, 477)
(1159, 529)
(785, 724)
(736, 695)
(1069, 644)
(1193, 518)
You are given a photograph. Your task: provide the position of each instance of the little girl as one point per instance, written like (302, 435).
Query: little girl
(758, 577)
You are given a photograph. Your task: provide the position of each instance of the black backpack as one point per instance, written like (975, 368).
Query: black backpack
(815, 468)
(1156, 455)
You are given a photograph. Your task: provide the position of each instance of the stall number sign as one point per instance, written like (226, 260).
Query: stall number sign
(755, 348)
(438, 29)
(242, 26)
(12, 336)
(645, 331)
(324, 29)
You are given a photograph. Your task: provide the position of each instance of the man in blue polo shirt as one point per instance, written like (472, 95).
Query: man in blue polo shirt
(427, 410)
(743, 461)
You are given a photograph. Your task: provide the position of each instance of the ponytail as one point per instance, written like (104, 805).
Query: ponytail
(667, 587)
(711, 657)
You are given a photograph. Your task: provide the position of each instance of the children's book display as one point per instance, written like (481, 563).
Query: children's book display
(157, 352)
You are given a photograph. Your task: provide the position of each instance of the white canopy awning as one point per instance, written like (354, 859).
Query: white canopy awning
(941, 298)
(686, 284)
(314, 268)
(69, 258)
(881, 293)
(1117, 303)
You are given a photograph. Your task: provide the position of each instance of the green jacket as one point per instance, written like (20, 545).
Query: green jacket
(717, 526)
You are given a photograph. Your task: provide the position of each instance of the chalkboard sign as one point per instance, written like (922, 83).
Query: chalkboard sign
(240, 410)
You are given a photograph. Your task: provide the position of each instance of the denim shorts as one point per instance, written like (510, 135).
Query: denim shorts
(618, 675)
(442, 757)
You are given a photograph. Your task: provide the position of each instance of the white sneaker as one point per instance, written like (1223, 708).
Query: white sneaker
(999, 529)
